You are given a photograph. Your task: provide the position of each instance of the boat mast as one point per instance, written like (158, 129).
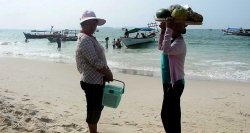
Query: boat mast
(51, 28)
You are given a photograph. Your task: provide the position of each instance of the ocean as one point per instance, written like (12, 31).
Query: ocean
(211, 55)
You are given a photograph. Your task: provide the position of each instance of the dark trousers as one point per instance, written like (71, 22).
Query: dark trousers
(93, 93)
(171, 109)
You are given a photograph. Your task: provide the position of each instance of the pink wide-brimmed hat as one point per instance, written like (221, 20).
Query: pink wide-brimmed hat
(87, 15)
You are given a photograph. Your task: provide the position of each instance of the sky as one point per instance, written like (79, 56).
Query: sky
(65, 14)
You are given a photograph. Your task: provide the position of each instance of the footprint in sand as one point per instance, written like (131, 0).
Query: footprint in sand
(7, 121)
(244, 114)
(44, 102)
(71, 127)
(18, 113)
(145, 115)
(66, 112)
(122, 112)
(45, 119)
(141, 130)
(117, 124)
(41, 131)
(10, 98)
(219, 98)
(156, 116)
(7, 91)
(25, 99)
(27, 120)
(47, 102)
(6, 110)
(131, 123)
(239, 94)
(33, 112)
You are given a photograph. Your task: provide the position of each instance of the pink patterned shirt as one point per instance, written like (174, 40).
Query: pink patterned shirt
(176, 53)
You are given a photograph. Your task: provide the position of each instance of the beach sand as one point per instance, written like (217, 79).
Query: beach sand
(41, 96)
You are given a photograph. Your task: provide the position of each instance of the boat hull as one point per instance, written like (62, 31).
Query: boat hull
(36, 36)
(242, 34)
(64, 39)
(238, 32)
(128, 42)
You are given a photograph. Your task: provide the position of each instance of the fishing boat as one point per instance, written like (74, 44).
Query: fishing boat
(128, 42)
(236, 31)
(38, 34)
(69, 38)
(64, 35)
(143, 35)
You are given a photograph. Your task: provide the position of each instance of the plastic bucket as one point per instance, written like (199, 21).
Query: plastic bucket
(112, 94)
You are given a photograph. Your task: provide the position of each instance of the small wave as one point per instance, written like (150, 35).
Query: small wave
(193, 43)
(101, 41)
(137, 72)
(7, 53)
(208, 61)
(228, 63)
(200, 64)
(242, 76)
(5, 43)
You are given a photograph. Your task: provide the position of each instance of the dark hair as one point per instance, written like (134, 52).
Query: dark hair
(82, 23)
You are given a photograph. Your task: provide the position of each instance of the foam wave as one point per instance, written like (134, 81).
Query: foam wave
(243, 76)
(137, 72)
(228, 63)
(5, 43)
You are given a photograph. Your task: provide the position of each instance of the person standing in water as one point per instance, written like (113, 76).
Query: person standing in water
(58, 40)
(107, 42)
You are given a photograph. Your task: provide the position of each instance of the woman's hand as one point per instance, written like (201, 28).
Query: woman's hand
(108, 75)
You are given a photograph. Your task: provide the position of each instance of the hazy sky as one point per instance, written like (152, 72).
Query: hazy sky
(40, 14)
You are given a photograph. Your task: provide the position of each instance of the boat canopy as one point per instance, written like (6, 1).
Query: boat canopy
(140, 29)
(40, 31)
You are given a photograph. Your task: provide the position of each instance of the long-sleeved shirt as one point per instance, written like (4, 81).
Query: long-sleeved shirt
(89, 58)
(176, 53)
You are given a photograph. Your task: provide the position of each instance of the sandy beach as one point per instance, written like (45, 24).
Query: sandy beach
(42, 96)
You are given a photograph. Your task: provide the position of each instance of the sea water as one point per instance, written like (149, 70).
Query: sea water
(211, 55)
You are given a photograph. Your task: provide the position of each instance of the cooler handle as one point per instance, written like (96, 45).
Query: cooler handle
(120, 82)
